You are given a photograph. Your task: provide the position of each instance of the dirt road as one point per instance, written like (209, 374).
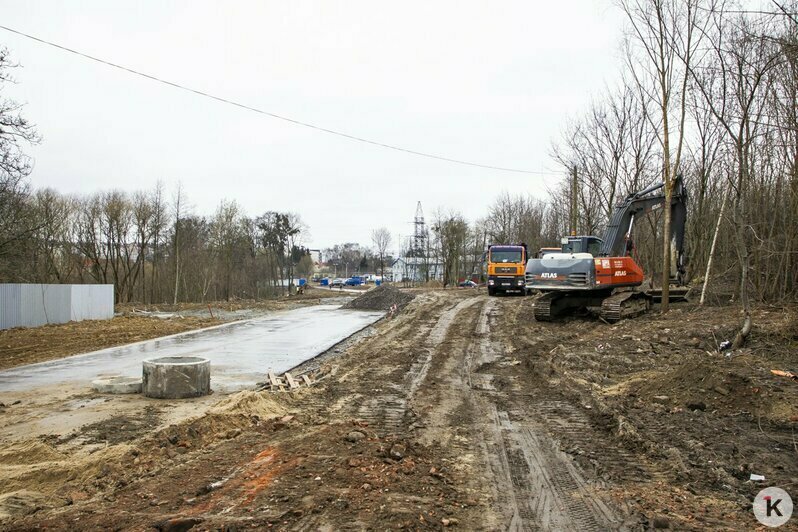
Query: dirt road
(459, 412)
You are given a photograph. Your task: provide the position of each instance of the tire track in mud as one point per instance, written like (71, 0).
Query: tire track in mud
(535, 484)
(572, 425)
(387, 412)
(365, 383)
(496, 434)
(548, 489)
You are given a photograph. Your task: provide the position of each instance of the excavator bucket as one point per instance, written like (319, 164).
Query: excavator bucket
(675, 294)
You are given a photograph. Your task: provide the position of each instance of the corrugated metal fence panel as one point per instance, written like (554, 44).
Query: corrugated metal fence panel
(9, 305)
(44, 303)
(92, 302)
(31, 305)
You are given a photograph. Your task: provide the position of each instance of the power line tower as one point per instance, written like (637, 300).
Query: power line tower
(419, 244)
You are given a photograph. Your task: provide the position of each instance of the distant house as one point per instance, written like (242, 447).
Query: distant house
(414, 269)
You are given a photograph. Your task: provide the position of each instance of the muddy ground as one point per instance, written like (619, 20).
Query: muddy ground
(461, 411)
(135, 323)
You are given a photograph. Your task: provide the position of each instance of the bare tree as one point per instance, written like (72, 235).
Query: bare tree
(178, 206)
(227, 234)
(15, 166)
(663, 38)
(450, 231)
(743, 61)
(158, 225)
(143, 211)
(50, 245)
(611, 147)
(382, 240)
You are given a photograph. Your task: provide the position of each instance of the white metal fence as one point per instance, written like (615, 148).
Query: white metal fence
(31, 305)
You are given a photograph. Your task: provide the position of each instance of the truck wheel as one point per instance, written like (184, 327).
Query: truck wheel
(491, 291)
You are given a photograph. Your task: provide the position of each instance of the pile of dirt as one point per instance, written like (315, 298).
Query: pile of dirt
(39, 467)
(247, 404)
(381, 298)
(36, 475)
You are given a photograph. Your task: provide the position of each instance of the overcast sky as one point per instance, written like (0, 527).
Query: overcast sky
(488, 82)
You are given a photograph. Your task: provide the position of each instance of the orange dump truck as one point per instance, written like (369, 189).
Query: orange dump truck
(506, 267)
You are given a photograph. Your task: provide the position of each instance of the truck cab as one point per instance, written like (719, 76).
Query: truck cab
(506, 267)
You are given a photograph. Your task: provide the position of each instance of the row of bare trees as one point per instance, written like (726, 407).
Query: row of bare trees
(709, 92)
(153, 249)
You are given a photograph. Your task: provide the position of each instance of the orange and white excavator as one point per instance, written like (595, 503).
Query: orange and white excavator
(600, 274)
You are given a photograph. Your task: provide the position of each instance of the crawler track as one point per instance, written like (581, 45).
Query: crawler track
(624, 305)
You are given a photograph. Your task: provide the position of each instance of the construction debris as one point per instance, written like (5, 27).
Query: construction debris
(117, 385)
(287, 382)
(788, 374)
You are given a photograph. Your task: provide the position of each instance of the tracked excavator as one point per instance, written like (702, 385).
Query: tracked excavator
(600, 274)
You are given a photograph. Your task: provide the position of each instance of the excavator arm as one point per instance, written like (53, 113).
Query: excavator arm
(646, 200)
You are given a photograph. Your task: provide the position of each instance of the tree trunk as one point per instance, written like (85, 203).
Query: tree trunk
(177, 261)
(666, 218)
(742, 253)
(712, 249)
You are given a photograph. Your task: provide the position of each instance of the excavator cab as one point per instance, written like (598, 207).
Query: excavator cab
(582, 244)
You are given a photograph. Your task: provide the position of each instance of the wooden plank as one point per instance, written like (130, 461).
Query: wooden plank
(306, 380)
(291, 382)
(274, 381)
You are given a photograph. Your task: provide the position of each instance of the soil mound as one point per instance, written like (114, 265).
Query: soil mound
(381, 298)
(36, 467)
(28, 452)
(249, 403)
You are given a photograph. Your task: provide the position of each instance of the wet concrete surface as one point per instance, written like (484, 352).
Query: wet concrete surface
(241, 354)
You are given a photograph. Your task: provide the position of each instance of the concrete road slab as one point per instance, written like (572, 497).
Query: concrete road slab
(241, 353)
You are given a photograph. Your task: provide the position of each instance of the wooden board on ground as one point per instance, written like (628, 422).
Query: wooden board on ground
(291, 382)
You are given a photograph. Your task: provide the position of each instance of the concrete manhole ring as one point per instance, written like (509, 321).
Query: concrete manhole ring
(176, 377)
(117, 385)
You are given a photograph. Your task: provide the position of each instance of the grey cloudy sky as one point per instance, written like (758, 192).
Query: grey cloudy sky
(489, 82)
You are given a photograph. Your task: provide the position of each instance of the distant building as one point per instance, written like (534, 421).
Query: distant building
(414, 269)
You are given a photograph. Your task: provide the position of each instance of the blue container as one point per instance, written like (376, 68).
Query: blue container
(325, 282)
(303, 281)
(378, 282)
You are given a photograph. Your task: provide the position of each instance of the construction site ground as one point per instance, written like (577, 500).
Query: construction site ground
(459, 411)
